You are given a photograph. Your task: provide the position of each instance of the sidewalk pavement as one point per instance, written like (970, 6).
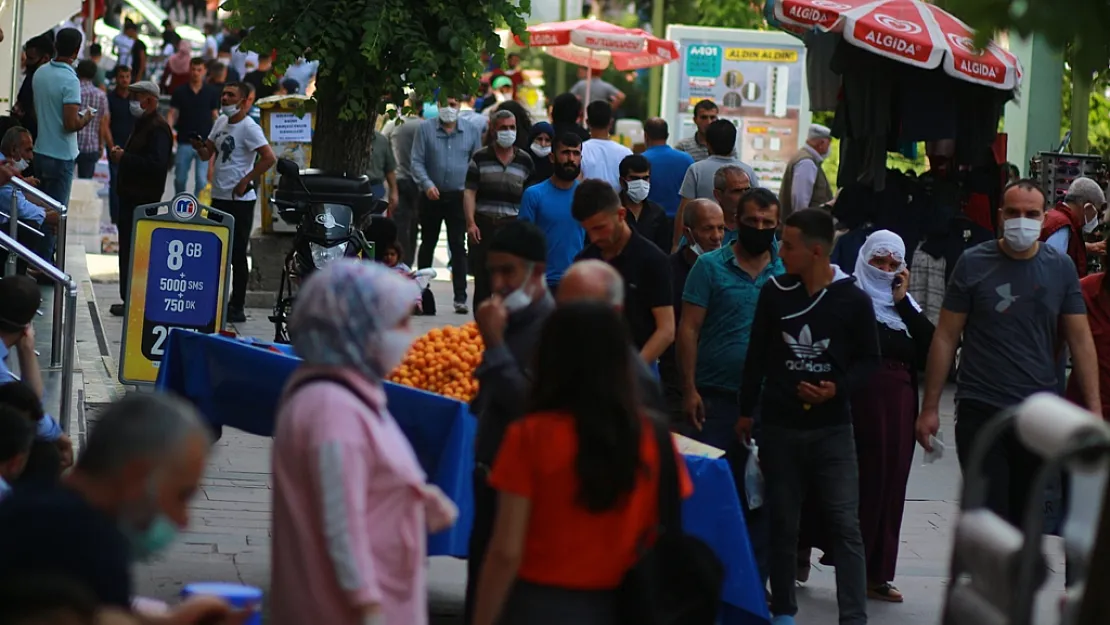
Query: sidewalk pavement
(229, 534)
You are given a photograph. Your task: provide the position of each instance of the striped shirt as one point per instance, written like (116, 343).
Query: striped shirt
(88, 138)
(499, 186)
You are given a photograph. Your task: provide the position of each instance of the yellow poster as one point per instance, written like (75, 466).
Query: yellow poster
(766, 55)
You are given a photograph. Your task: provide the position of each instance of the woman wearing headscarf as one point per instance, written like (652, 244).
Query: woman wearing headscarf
(351, 508)
(539, 147)
(884, 411)
(177, 68)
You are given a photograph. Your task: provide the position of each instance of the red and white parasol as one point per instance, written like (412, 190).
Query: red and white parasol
(908, 31)
(595, 44)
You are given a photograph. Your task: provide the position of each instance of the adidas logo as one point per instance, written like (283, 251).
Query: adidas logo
(807, 351)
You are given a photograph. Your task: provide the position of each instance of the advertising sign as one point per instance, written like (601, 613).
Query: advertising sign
(757, 80)
(180, 262)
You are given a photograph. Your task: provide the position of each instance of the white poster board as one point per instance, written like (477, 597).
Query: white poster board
(288, 128)
(757, 78)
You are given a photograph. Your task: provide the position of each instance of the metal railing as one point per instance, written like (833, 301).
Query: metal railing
(60, 245)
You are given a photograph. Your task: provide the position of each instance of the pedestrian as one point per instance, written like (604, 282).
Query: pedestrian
(566, 116)
(194, 107)
(37, 52)
(260, 77)
(699, 180)
(599, 90)
(813, 343)
(132, 51)
(441, 154)
(510, 323)
(16, 149)
(1013, 301)
(121, 123)
(668, 166)
(170, 38)
(96, 55)
(523, 122)
(804, 184)
(730, 183)
(91, 139)
(601, 158)
(217, 75)
(211, 45)
(1071, 218)
(44, 462)
(495, 183)
(576, 480)
(648, 308)
(697, 146)
(142, 165)
(539, 148)
(884, 409)
(401, 134)
(383, 171)
(548, 205)
(241, 155)
(123, 43)
(17, 435)
(178, 70)
(1096, 297)
(347, 484)
(645, 217)
(302, 71)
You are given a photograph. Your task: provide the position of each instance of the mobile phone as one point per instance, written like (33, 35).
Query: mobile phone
(88, 111)
(196, 136)
(898, 282)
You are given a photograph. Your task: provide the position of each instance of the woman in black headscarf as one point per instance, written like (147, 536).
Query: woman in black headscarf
(539, 148)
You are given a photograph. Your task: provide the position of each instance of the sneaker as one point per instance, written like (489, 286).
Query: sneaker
(782, 619)
(117, 310)
(461, 308)
(885, 592)
(236, 315)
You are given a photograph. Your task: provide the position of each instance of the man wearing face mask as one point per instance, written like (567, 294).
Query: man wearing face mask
(143, 164)
(17, 150)
(730, 183)
(804, 184)
(645, 216)
(510, 323)
(1009, 299)
(123, 503)
(548, 205)
(37, 53)
(1077, 215)
(495, 182)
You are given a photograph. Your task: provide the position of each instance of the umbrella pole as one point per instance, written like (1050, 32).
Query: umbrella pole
(589, 80)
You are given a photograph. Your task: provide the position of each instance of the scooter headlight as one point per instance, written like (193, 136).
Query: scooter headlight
(321, 255)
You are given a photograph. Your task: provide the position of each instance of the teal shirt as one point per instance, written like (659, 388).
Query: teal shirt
(728, 295)
(55, 85)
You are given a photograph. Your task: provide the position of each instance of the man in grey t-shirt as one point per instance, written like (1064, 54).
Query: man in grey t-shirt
(720, 137)
(600, 91)
(1009, 298)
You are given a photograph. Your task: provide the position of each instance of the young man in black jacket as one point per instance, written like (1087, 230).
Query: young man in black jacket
(813, 341)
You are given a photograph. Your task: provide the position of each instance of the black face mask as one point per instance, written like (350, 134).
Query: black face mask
(755, 241)
(567, 172)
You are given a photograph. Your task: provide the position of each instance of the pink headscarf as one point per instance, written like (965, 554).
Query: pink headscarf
(179, 62)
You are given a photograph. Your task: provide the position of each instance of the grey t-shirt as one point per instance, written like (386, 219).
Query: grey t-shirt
(600, 91)
(1013, 311)
(698, 183)
(401, 137)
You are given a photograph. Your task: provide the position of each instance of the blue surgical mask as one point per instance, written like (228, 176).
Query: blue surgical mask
(431, 110)
(145, 544)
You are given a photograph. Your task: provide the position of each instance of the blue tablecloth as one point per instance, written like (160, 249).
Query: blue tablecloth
(237, 383)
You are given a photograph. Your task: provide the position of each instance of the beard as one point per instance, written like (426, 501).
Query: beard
(568, 172)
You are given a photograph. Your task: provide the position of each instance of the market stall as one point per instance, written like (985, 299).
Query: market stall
(237, 383)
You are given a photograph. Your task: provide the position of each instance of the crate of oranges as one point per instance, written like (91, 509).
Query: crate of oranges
(443, 362)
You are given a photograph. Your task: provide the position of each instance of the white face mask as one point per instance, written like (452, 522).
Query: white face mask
(1021, 233)
(395, 344)
(20, 165)
(638, 190)
(230, 110)
(449, 114)
(541, 151)
(506, 138)
(136, 108)
(696, 249)
(519, 299)
(1090, 225)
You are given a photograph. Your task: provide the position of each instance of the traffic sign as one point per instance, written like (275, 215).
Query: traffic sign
(180, 262)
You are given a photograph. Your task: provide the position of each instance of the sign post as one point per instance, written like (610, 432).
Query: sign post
(180, 262)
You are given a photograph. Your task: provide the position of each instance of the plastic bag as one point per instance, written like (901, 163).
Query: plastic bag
(753, 477)
(937, 443)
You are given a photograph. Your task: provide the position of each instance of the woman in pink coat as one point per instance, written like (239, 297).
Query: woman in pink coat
(351, 506)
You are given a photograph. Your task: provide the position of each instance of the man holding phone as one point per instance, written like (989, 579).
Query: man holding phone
(242, 155)
(193, 108)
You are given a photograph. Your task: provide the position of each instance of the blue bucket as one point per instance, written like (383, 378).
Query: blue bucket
(236, 594)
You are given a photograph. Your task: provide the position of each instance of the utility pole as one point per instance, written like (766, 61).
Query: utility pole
(560, 67)
(655, 78)
(1080, 110)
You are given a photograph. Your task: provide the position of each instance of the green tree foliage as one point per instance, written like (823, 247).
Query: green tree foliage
(369, 51)
(719, 13)
(1098, 119)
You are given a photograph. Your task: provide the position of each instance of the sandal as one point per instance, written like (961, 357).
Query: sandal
(885, 592)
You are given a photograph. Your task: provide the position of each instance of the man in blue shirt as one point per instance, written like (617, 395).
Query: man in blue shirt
(668, 166)
(16, 149)
(548, 204)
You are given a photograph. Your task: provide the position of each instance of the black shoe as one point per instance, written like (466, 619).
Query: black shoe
(117, 310)
(236, 315)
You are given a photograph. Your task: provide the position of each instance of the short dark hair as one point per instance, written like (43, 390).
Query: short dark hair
(16, 433)
(720, 136)
(634, 162)
(290, 85)
(816, 226)
(95, 50)
(129, 25)
(86, 69)
(761, 197)
(593, 196)
(196, 60)
(41, 44)
(599, 114)
(67, 42)
(521, 239)
(656, 129)
(567, 140)
(705, 105)
(245, 89)
(20, 396)
(565, 109)
(19, 300)
(30, 596)
(123, 68)
(1025, 184)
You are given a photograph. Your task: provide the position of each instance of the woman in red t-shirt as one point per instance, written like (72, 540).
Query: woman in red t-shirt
(577, 481)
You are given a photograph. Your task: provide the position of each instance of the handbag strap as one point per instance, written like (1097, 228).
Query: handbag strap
(670, 500)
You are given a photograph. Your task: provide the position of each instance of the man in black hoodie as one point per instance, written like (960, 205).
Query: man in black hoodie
(813, 341)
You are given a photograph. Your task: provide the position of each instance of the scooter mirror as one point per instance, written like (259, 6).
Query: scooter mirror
(286, 167)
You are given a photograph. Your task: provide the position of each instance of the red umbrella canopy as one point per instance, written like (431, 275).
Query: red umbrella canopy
(908, 31)
(596, 44)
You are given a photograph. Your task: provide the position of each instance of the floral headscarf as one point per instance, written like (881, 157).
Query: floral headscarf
(346, 315)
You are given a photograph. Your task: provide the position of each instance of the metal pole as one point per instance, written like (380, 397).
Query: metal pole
(1080, 110)
(56, 352)
(17, 42)
(13, 230)
(655, 78)
(560, 67)
(70, 350)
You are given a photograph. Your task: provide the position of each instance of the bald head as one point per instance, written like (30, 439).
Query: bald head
(591, 281)
(699, 211)
(153, 427)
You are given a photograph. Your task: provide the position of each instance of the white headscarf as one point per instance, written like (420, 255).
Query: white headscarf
(878, 284)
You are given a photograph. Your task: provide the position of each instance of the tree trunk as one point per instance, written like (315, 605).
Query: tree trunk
(339, 145)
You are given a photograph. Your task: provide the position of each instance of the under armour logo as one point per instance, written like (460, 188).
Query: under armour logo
(1005, 291)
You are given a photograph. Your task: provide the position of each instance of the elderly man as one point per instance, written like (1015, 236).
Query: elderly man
(1078, 214)
(699, 180)
(124, 501)
(17, 150)
(804, 184)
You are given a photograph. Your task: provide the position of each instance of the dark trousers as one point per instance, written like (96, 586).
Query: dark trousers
(824, 460)
(126, 223)
(243, 212)
(433, 213)
(488, 226)
(86, 164)
(485, 509)
(1009, 467)
(113, 194)
(405, 216)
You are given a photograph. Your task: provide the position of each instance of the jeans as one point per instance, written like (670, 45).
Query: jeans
(243, 212)
(433, 213)
(1009, 467)
(56, 180)
(406, 218)
(113, 193)
(86, 164)
(186, 156)
(489, 226)
(823, 459)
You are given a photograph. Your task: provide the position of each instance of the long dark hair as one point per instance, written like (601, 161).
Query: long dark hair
(523, 122)
(584, 366)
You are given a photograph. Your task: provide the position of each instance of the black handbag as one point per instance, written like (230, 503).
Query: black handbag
(678, 579)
